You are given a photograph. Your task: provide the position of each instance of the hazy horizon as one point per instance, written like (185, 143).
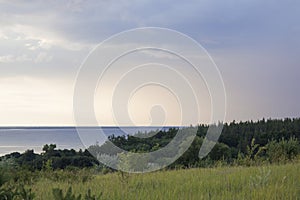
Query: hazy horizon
(114, 126)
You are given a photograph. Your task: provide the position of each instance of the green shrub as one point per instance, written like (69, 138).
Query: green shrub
(16, 192)
(59, 195)
(6, 194)
(89, 196)
(7, 168)
(70, 176)
(25, 194)
(282, 151)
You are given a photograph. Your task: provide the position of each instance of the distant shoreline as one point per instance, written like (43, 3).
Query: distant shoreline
(74, 127)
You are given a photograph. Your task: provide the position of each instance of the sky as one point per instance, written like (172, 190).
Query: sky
(255, 44)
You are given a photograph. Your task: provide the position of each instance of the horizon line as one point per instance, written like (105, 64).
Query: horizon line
(113, 126)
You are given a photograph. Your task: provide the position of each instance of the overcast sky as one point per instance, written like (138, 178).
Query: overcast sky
(255, 44)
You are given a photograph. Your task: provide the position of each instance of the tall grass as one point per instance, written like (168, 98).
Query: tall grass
(267, 182)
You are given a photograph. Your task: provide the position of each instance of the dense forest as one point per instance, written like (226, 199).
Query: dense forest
(242, 143)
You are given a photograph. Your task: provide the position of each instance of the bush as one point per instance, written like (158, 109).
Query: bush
(282, 151)
(58, 195)
(16, 193)
(6, 166)
(71, 175)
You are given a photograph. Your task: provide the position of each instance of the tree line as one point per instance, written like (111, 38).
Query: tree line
(241, 143)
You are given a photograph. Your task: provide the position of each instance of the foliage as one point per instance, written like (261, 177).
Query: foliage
(245, 143)
(266, 142)
(58, 195)
(282, 151)
(90, 196)
(52, 159)
(69, 175)
(16, 193)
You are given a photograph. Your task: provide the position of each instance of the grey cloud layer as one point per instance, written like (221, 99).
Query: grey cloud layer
(255, 43)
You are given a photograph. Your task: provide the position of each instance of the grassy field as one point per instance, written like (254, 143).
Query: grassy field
(267, 182)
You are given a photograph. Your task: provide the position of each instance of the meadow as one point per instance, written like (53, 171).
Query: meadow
(257, 182)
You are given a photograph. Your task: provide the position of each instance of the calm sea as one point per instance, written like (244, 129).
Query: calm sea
(20, 139)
